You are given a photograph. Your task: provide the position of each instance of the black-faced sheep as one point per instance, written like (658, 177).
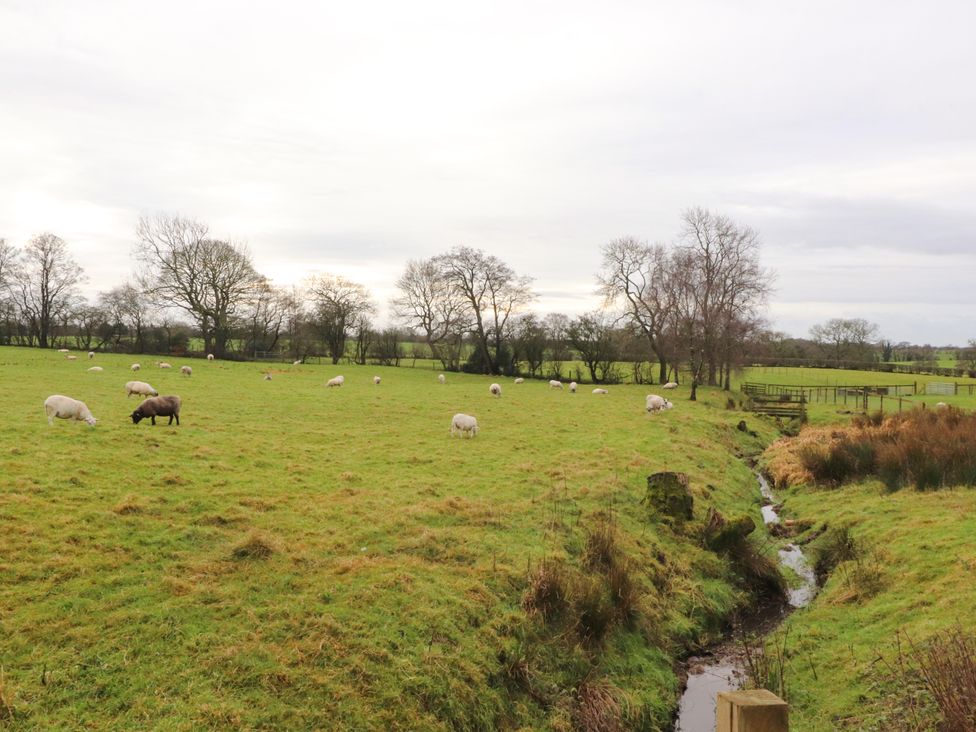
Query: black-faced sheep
(158, 406)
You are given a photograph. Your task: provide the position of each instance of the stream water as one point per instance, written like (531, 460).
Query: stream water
(723, 669)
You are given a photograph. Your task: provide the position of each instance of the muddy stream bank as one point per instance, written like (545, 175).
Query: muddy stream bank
(723, 667)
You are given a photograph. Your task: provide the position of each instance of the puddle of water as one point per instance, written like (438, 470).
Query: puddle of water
(697, 709)
(724, 671)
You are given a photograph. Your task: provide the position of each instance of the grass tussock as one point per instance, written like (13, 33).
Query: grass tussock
(6, 698)
(924, 449)
(255, 546)
(128, 505)
(547, 594)
(596, 708)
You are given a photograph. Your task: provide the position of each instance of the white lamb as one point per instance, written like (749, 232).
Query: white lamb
(296, 363)
(600, 391)
(441, 378)
(210, 357)
(376, 380)
(62, 350)
(464, 424)
(572, 387)
(520, 380)
(941, 405)
(71, 358)
(670, 385)
(91, 354)
(135, 367)
(186, 370)
(336, 381)
(267, 377)
(164, 365)
(555, 384)
(656, 403)
(64, 407)
(139, 387)
(495, 389)
(96, 369)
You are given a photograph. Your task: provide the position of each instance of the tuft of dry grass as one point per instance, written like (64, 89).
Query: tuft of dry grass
(926, 449)
(255, 546)
(548, 591)
(596, 708)
(129, 504)
(6, 697)
(948, 666)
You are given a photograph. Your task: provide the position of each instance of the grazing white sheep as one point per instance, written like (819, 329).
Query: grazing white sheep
(164, 365)
(941, 405)
(600, 391)
(210, 357)
(96, 369)
(656, 403)
(71, 358)
(441, 378)
(267, 377)
(572, 387)
(62, 350)
(135, 367)
(376, 380)
(64, 407)
(495, 389)
(670, 385)
(186, 370)
(296, 363)
(139, 387)
(91, 354)
(336, 381)
(555, 384)
(464, 424)
(520, 380)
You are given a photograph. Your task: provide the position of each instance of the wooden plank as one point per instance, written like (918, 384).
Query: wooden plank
(756, 710)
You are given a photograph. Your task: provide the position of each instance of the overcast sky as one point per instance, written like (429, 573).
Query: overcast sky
(349, 137)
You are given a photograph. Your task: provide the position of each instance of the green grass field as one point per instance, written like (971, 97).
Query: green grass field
(298, 557)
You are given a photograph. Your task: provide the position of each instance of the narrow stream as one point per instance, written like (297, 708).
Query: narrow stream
(723, 668)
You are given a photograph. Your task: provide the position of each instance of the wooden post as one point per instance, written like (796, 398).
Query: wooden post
(751, 711)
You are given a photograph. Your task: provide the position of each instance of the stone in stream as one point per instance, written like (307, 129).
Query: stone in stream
(668, 494)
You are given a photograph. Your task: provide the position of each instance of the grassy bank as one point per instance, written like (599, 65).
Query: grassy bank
(297, 557)
(905, 570)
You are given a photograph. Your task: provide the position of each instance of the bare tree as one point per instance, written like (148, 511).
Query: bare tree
(731, 286)
(209, 279)
(492, 292)
(429, 303)
(8, 256)
(338, 302)
(529, 342)
(363, 335)
(44, 283)
(846, 339)
(633, 273)
(264, 319)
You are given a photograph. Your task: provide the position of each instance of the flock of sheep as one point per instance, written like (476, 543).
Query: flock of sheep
(63, 407)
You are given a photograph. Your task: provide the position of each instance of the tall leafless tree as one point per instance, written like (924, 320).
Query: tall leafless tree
(211, 280)
(633, 274)
(730, 286)
(846, 339)
(338, 303)
(44, 283)
(492, 292)
(430, 303)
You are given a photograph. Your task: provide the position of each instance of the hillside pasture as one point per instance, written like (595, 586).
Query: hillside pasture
(299, 557)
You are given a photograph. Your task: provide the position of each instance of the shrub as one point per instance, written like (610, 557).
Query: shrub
(948, 666)
(834, 546)
(592, 608)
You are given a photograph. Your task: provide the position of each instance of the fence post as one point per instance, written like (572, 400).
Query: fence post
(757, 710)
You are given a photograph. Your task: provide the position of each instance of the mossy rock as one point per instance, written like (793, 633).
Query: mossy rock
(730, 533)
(668, 495)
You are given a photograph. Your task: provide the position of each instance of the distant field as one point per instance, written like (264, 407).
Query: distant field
(298, 557)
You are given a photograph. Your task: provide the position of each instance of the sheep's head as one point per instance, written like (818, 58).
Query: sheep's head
(137, 415)
(91, 420)
(667, 404)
